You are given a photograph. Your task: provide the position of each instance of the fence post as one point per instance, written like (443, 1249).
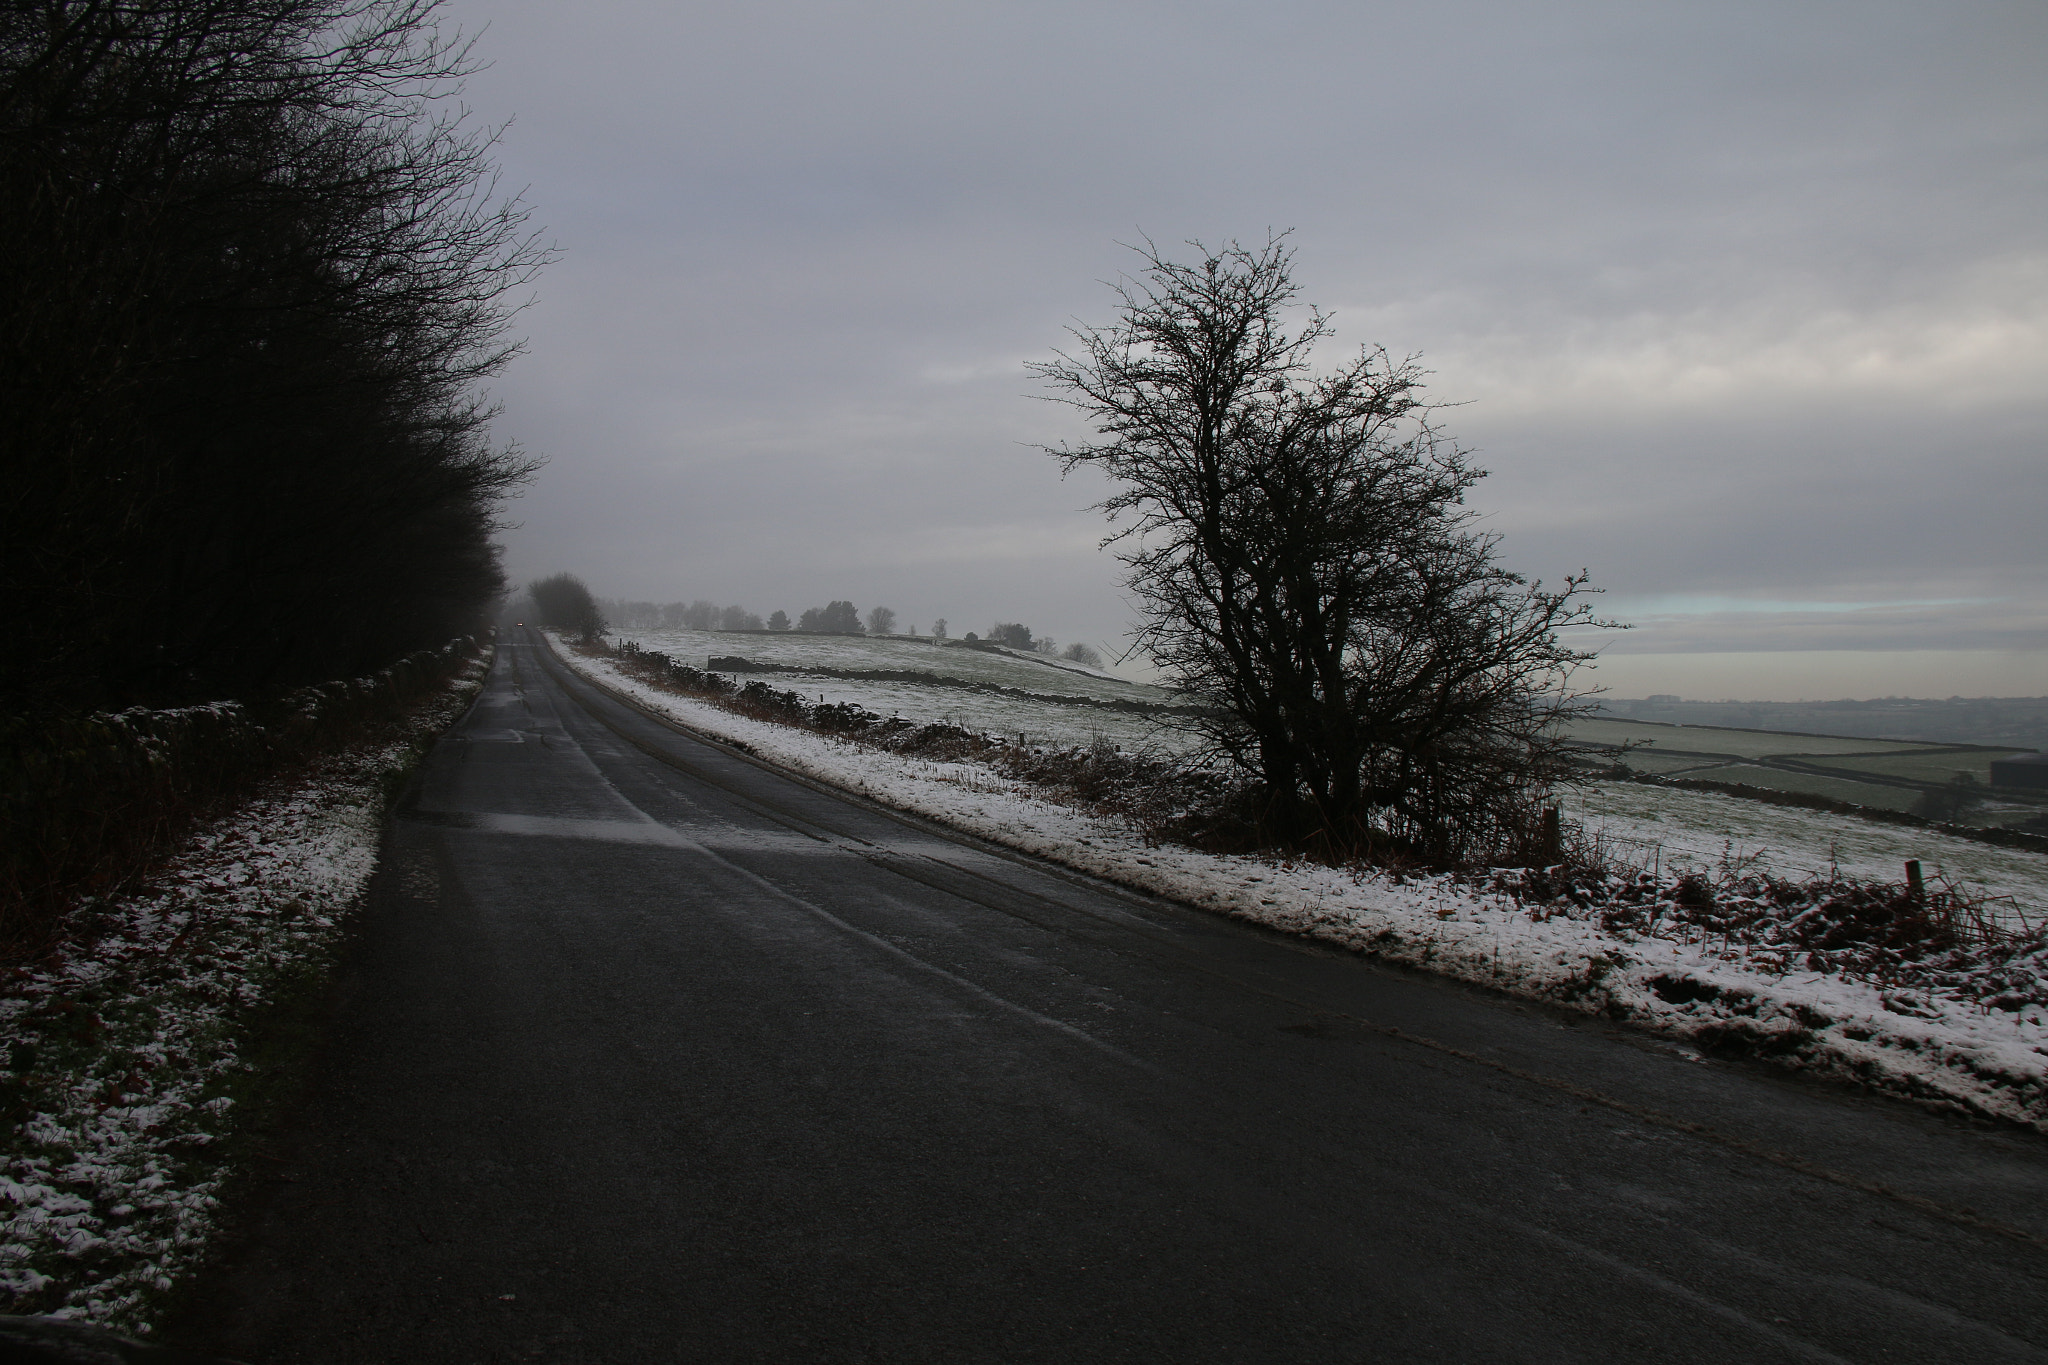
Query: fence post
(1915, 887)
(1553, 837)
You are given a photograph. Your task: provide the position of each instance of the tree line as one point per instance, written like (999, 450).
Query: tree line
(255, 269)
(563, 602)
(839, 617)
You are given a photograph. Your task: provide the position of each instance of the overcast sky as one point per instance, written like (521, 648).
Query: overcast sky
(1747, 304)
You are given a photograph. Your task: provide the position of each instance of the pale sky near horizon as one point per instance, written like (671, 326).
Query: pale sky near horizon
(1747, 304)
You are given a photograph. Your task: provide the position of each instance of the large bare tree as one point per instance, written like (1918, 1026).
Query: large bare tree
(253, 268)
(1299, 548)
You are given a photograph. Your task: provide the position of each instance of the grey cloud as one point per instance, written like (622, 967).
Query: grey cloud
(808, 246)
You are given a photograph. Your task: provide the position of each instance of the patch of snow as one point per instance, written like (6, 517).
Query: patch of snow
(1689, 829)
(126, 1045)
(1000, 667)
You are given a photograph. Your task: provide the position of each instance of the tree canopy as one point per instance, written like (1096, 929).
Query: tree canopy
(565, 604)
(254, 271)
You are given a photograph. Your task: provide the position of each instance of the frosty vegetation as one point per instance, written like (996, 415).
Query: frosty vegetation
(131, 1046)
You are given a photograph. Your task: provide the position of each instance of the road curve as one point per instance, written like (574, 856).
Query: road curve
(648, 1051)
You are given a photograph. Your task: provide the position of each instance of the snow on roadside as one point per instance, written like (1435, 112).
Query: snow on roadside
(1938, 1048)
(1671, 828)
(123, 1050)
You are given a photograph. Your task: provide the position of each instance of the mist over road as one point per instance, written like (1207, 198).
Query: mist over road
(650, 1052)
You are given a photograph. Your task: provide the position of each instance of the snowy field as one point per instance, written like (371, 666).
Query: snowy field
(1011, 668)
(1041, 722)
(1659, 827)
(1699, 739)
(1680, 829)
(126, 1046)
(1940, 1047)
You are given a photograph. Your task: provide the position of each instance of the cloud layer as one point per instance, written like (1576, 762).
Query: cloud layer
(1746, 302)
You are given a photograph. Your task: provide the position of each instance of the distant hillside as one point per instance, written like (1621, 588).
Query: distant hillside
(2021, 722)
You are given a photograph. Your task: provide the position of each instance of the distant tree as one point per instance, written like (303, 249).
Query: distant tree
(838, 618)
(566, 605)
(939, 629)
(1011, 634)
(672, 615)
(971, 637)
(1957, 798)
(778, 620)
(738, 618)
(701, 615)
(1082, 654)
(881, 620)
(1045, 644)
(1298, 546)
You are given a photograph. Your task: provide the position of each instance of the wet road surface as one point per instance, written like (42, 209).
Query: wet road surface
(650, 1052)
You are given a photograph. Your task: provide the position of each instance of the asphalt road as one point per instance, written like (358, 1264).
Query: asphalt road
(649, 1052)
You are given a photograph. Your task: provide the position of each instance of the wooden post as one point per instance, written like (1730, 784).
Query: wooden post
(1553, 837)
(1915, 887)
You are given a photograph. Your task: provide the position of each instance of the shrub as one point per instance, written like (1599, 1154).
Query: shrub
(1011, 634)
(88, 802)
(566, 605)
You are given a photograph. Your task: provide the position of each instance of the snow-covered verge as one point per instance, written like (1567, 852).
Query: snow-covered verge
(1672, 829)
(1938, 1037)
(127, 1049)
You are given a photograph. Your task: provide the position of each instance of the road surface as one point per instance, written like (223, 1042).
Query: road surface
(650, 1052)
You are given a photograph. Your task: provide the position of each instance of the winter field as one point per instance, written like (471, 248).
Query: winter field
(131, 1047)
(1867, 772)
(1665, 829)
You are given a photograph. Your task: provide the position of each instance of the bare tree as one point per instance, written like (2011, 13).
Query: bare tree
(881, 620)
(1082, 654)
(252, 267)
(566, 605)
(939, 629)
(1299, 549)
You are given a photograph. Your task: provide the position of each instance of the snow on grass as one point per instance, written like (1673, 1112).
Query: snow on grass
(1941, 1046)
(124, 1051)
(1047, 723)
(1692, 830)
(796, 649)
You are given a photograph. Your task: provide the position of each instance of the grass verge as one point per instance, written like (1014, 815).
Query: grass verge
(159, 1019)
